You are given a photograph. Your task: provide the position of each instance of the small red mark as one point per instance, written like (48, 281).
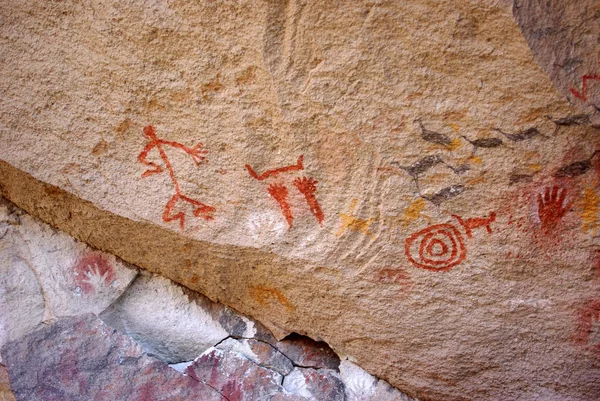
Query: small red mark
(584, 87)
(551, 208)
(397, 276)
(197, 154)
(307, 187)
(589, 315)
(596, 261)
(440, 247)
(93, 270)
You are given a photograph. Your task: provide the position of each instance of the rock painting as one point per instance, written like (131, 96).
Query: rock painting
(484, 143)
(590, 210)
(352, 223)
(552, 208)
(438, 138)
(584, 86)
(397, 277)
(524, 135)
(576, 168)
(589, 315)
(197, 154)
(266, 295)
(440, 247)
(576, 119)
(92, 272)
(305, 185)
(421, 166)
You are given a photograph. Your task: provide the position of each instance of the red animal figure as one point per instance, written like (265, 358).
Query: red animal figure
(307, 187)
(551, 208)
(584, 87)
(197, 153)
(471, 224)
(440, 247)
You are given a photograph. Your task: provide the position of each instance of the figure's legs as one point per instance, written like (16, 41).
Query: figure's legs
(200, 209)
(169, 208)
(280, 193)
(308, 187)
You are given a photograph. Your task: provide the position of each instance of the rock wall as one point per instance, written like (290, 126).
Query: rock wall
(400, 179)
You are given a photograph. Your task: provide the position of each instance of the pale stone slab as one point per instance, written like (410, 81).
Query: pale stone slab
(46, 274)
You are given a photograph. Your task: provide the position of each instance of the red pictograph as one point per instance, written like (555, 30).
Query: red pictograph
(552, 208)
(589, 316)
(306, 186)
(440, 247)
(197, 154)
(584, 86)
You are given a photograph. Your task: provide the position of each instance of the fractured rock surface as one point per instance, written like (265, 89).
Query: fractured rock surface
(6, 393)
(159, 316)
(158, 323)
(385, 176)
(45, 274)
(84, 359)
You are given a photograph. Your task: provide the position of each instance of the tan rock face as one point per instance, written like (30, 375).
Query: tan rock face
(383, 175)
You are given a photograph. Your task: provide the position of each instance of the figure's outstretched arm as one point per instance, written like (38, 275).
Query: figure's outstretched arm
(196, 152)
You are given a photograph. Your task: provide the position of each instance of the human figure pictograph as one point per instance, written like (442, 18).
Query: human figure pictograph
(197, 153)
(306, 186)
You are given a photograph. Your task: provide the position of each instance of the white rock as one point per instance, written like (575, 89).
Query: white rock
(159, 316)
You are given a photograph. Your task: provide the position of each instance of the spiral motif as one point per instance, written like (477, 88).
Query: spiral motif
(439, 248)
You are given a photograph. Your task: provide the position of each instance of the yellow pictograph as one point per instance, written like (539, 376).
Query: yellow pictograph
(350, 222)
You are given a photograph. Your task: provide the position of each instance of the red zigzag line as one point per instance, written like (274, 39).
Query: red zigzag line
(583, 94)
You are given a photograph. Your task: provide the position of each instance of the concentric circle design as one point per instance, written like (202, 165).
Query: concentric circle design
(438, 248)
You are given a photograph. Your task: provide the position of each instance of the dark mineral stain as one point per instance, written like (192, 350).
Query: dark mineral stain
(445, 194)
(434, 137)
(577, 119)
(514, 178)
(420, 166)
(486, 143)
(576, 168)
(521, 135)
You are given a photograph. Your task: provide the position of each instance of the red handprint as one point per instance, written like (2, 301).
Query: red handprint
(197, 153)
(551, 208)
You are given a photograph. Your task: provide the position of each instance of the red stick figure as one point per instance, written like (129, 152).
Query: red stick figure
(197, 153)
(551, 208)
(307, 187)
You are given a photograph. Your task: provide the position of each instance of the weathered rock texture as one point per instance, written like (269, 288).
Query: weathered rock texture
(84, 359)
(564, 37)
(386, 176)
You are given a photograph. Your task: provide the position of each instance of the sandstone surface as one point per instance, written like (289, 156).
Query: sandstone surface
(385, 176)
